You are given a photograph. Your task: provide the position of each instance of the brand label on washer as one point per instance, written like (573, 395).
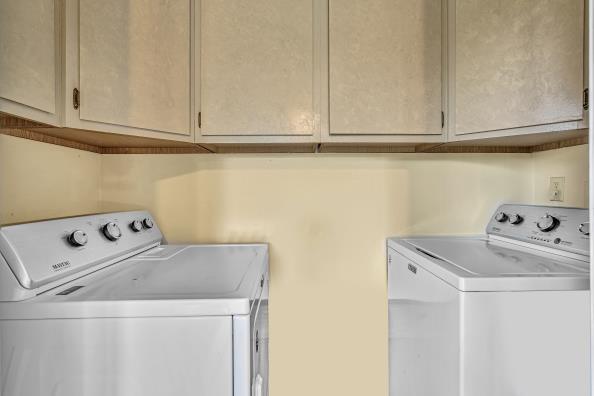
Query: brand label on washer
(60, 266)
(412, 268)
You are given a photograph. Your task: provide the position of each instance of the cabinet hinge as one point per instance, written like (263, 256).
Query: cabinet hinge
(586, 102)
(199, 119)
(442, 119)
(75, 98)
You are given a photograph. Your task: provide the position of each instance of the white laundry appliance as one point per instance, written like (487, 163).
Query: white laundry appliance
(97, 305)
(501, 314)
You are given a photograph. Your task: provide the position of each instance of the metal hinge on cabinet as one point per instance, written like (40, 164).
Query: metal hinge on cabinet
(200, 119)
(75, 98)
(586, 102)
(442, 119)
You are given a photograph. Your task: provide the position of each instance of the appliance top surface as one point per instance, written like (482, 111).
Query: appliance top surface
(165, 281)
(488, 264)
(176, 272)
(116, 262)
(525, 248)
(482, 257)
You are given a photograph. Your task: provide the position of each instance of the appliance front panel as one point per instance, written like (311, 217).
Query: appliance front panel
(424, 319)
(117, 357)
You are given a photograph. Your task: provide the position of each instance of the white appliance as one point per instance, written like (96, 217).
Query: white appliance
(506, 313)
(98, 305)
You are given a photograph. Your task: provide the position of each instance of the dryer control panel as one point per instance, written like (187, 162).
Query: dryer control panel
(566, 229)
(43, 252)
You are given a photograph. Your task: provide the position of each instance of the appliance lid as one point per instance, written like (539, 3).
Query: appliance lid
(485, 258)
(179, 272)
(169, 280)
(487, 264)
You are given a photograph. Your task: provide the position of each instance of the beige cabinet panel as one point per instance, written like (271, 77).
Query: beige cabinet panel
(517, 63)
(135, 63)
(28, 53)
(385, 67)
(257, 68)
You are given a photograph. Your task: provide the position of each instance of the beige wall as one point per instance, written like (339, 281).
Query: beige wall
(325, 216)
(39, 181)
(570, 162)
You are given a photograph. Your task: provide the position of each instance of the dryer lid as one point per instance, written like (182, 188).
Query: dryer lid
(183, 272)
(166, 281)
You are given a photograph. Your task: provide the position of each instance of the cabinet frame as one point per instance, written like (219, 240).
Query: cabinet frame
(71, 75)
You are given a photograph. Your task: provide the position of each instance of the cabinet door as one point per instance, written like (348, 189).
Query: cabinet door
(257, 68)
(28, 54)
(385, 67)
(516, 63)
(134, 65)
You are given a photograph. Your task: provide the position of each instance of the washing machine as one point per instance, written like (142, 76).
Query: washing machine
(99, 305)
(500, 314)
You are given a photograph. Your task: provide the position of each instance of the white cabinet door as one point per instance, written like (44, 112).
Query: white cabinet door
(385, 67)
(133, 66)
(515, 63)
(258, 73)
(29, 59)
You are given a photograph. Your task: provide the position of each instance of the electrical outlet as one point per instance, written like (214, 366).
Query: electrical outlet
(557, 189)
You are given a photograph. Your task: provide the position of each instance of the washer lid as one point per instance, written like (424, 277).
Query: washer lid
(483, 264)
(168, 280)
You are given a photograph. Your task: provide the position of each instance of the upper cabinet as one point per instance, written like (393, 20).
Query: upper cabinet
(338, 72)
(258, 63)
(515, 66)
(385, 68)
(30, 59)
(128, 67)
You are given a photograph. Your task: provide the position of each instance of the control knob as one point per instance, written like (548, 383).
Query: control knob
(501, 217)
(136, 226)
(112, 231)
(148, 223)
(78, 238)
(547, 223)
(515, 219)
(584, 228)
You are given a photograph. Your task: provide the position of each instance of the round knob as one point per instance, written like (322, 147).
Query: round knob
(148, 223)
(584, 228)
(136, 225)
(501, 217)
(515, 219)
(112, 231)
(78, 238)
(547, 223)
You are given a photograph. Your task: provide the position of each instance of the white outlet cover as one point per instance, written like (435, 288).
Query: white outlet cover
(557, 188)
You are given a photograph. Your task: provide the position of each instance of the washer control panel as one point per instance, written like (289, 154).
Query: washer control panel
(561, 228)
(42, 252)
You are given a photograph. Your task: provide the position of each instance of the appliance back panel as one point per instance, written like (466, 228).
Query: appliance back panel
(42, 252)
(565, 234)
